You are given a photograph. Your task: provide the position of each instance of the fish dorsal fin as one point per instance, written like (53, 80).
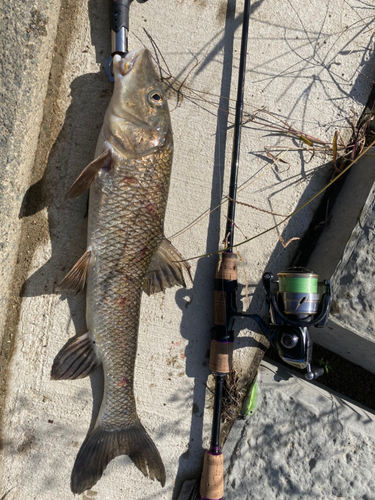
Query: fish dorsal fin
(166, 269)
(85, 179)
(76, 277)
(77, 359)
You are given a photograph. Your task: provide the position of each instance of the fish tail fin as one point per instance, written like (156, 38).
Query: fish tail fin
(101, 446)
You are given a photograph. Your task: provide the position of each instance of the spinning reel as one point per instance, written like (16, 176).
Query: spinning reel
(294, 307)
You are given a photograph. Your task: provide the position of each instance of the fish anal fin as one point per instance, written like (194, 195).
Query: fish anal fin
(77, 359)
(103, 445)
(76, 277)
(85, 179)
(166, 269)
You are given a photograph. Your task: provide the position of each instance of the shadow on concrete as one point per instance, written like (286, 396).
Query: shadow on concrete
(73, 149)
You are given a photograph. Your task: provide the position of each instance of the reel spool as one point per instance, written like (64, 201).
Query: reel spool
(294, 307)
(298, 293)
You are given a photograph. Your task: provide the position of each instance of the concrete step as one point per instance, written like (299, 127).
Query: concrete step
(303, 441)
(345, 253)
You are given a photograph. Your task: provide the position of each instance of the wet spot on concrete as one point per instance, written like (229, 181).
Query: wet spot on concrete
(201, 3)
(38, 23)
(91, 493)
(27, 443)
(172, 361)
(221, 12)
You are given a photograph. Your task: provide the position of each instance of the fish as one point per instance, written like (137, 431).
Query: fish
(127, 252)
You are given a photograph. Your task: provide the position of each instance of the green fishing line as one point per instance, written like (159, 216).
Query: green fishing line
(291, 284)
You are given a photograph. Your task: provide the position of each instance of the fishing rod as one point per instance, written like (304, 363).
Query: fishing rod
(119, 23)
(296, 301)
(221, 353)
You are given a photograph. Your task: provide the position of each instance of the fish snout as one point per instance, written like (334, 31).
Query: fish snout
(123, 65)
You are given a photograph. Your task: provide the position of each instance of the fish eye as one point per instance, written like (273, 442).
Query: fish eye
(155, 98)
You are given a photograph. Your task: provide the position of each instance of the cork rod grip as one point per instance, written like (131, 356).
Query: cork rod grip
(221, 356)
(228, 267)
(212, 481)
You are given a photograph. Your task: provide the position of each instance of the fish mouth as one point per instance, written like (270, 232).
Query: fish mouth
(124, 65)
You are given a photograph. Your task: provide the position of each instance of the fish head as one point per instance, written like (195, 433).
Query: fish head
(137, 121)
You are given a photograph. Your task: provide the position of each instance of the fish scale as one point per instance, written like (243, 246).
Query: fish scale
(109, 244)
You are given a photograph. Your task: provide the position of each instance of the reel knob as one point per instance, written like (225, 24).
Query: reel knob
(313, 372)
(289, 340)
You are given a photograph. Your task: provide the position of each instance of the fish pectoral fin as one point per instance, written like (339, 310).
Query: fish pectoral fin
(76, 277)
(166, 269)
(103, 445)
(85, 179)
(77, 359)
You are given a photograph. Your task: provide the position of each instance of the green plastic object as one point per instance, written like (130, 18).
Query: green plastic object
(252, 399)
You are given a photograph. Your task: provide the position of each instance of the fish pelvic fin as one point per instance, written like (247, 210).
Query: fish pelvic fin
(76, 277)
(166, 269)
(85, 179)
(102, 445)
(77, 359)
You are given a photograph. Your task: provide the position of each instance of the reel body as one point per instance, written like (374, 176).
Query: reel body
(296, 302)
(294, 307)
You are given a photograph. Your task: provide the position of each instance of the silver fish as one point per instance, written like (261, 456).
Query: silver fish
(126, 253)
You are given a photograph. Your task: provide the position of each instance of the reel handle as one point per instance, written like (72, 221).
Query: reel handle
(313, 372)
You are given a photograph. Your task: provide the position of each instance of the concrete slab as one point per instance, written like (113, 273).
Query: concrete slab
(302, 442)
(294, 55)
(345, 254)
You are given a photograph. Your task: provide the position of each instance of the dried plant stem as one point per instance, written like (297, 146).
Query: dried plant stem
(255, 208)
(364, 151)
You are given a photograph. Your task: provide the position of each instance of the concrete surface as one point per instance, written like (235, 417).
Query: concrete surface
(28, 31)
(345, 254)
(302, 442)
(311, 68)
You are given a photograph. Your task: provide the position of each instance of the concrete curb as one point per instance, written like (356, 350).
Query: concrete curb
(26, 49)
(345, 254)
